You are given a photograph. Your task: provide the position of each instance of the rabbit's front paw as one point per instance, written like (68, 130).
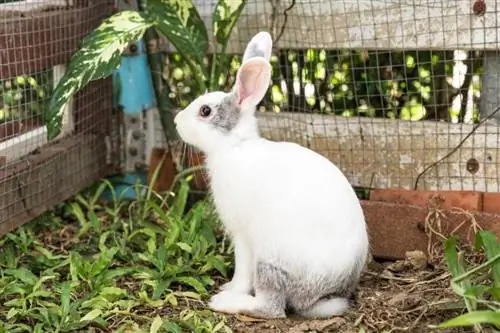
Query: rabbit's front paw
(230, 302)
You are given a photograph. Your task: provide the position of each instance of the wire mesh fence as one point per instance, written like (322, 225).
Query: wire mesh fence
(37, 38)
(399, 94)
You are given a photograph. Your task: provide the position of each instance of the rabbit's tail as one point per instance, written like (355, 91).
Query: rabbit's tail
(326, 308)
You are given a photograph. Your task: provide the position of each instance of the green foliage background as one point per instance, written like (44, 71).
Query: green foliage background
(411, 85)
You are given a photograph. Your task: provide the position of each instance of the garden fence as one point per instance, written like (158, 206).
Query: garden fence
(399, 94)
(37, 38)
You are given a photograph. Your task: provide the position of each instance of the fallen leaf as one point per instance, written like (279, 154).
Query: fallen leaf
(248, 319)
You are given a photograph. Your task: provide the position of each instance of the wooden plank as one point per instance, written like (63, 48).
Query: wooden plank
(23, 144)
(368, 24)
(30, 6)
(490, 92)
(41, 40)
(384, 153)
(35, 184)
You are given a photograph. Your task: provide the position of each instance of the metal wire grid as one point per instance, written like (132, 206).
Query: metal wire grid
(418, 82)
(393, 92)
(37, 37)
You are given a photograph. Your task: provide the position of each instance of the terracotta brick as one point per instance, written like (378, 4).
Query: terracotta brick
(395, 229)
(167, 171)
(196, 158)
(491, 203)
(468, 200)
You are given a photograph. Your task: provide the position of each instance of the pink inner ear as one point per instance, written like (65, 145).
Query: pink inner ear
(249, 79)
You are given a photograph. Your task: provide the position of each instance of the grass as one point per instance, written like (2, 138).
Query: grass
(478, 285)
(150, 265)
(121, 267)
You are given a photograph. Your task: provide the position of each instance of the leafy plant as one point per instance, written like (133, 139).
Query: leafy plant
(478, 286)
(404, 85)
(25, 97)
(179, 21)
(117, 275)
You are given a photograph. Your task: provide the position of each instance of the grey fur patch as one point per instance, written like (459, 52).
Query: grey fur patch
(254, 51)
(300, 294)
(227, 114)
(270, 286)
(272, 277)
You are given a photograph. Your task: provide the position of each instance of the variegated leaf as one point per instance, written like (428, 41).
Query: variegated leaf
(98, 56)
(181, 23)
(225, 15)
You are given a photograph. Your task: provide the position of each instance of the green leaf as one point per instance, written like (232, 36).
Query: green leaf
(171, 327)
(225, 16)
(161, 256)
(99, 55)
(92, 315)
(180, 200)
(22, 274)
(98, 302)
(472, 318)
(218, 263)
(156, 325)
(192, 282)
(12, 313)
(75, 265)
(185, 247)
(181, 23)
(451, 256)
(104, 261)
(39, 283)
(112, 293)
(65, 298)
(489, 241)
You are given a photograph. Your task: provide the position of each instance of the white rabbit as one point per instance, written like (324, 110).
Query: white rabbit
(298, 228)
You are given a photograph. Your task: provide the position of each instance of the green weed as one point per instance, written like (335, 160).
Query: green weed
(142, 266)
(478, 286)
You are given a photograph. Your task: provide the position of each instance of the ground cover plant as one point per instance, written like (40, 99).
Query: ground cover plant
(119, 267)
(149, 266)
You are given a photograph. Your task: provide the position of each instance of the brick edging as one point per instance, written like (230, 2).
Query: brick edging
(487, 202)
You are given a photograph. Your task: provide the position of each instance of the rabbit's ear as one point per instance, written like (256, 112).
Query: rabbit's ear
(260, 45)
(252, 81)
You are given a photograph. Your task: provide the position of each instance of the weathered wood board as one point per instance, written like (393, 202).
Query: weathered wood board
(368, 24)
(36, 183)
(384, 153)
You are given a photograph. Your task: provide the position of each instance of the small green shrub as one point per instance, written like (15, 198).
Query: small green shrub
(117, 267)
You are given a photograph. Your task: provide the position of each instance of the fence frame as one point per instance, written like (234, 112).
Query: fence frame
(39, 174)
(362, 24)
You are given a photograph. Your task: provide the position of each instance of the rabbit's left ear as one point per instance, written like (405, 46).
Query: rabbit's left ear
(260, 45)
(252, 81)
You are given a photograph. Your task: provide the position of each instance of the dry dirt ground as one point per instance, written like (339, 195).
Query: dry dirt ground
(402, 296)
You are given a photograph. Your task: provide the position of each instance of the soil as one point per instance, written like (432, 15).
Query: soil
(402, 296)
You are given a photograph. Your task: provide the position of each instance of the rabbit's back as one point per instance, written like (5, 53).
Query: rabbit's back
(290, 198)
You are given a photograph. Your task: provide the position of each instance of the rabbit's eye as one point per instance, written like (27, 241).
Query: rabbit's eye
(205, 111)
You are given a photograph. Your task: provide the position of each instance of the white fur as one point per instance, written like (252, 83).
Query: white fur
(281, 203)
(327, 308)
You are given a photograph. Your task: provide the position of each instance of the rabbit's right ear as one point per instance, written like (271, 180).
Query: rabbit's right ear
(260, 45)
